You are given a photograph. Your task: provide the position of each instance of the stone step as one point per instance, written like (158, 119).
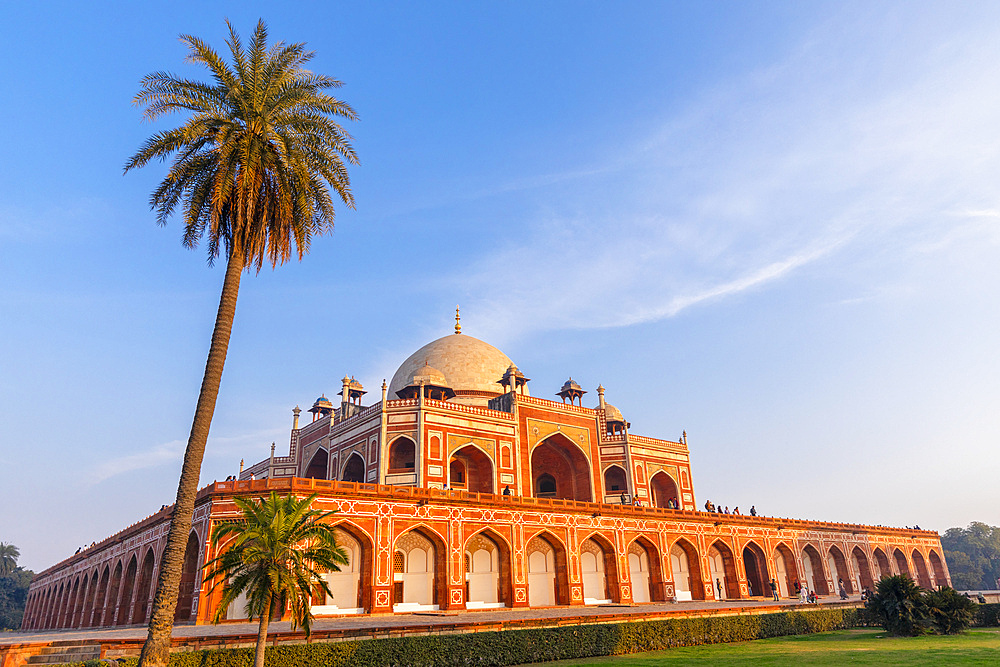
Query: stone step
(66, 652)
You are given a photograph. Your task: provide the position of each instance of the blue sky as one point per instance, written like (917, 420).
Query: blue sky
(774, 225)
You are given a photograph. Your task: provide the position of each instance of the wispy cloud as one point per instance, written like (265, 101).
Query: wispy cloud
(860, 143)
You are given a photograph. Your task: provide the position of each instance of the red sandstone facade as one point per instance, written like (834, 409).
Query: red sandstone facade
(420, 482)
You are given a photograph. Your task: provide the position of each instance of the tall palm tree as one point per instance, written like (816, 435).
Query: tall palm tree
(8, 558)
(253, 169)
(278, 552)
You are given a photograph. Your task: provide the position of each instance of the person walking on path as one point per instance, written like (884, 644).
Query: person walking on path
(774, 589)
(803, 594)
(718, 586)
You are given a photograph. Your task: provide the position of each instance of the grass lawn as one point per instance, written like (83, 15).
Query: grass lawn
(980, 646)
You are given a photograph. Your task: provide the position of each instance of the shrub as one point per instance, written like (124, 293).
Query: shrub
(899, 606)
(948, 611)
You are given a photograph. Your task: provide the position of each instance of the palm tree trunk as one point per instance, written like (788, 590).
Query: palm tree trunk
(265, 619)
(156, 650)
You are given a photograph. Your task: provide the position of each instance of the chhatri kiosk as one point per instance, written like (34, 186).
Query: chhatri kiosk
(458, 489)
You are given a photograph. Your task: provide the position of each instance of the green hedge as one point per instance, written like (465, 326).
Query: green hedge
(514, 647)
(987, 616)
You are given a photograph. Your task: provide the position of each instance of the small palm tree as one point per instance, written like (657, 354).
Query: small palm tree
(950, 613)
(253, 170)
(899, 606)
(277, 554)
(8, 558)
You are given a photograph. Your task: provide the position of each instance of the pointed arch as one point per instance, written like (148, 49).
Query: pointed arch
(190, 579)
(814, 572)
(923, 578)
(88, 601)
(548, 571)
(79, 588)
(615, 482)
(125, 600)
(755, 566)
(901, 564)
(664, 491)
(101, 602)
(402, 455)
(144, 587)
(318, 465)
(838, 569)
(940, 578)
(362, 565)
(787, 574)
(882, 566)
(685, 562)
(471, 468)
(354, 469)
(114, 593)
(722, 571)
(860, 562)
(484, 575)
(645, 569)
(424, 579)
(608, 567)
(566, 464)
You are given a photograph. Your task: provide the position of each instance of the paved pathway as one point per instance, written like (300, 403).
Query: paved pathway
(388, 623)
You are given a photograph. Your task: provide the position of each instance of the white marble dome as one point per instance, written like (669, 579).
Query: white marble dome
(467, 363)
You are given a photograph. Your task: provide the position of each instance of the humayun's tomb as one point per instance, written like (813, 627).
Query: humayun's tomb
(460, 490)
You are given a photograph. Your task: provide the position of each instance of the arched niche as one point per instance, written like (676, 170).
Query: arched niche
(488, 581)
(471, 469)
(101, 602)
(318, 465)
(787, 573)
(88, 604)
(354, 469)
(940, 578)
(685, 566)
(351, 585)
(600, 571)
(548, 580)
(664, 491)
(75, 601)
(402, 456)
(755, 565)
(419, 570)
(615, 482)
(722, 567)
(882, 566)
(128, 583)
(814, 575)
(114, 593)
(559, 458)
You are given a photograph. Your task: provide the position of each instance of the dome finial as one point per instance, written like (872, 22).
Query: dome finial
(458, 321)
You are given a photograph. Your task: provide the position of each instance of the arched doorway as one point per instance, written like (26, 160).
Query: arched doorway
(470, 469)
(723, 570)
(882, 566)
(838, 570)
(686, 570)
(487, 571)
(923, 578)
(547, 580)
(901, 563)
(755, 565)
(318, 465)
(812, 565)
(145, 584)
(75, 602)
(419, 572)
(860, 562)
(600, 571)
(664, 491)
(125, 605)
(615, 484)
(559, 469)
(940, 579)
(354, 469)
(787, 574)
(345, 585)
(189, 580)
(639, 563)
(88, 606)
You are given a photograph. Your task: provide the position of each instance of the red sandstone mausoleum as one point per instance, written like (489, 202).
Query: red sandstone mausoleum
(460, 490)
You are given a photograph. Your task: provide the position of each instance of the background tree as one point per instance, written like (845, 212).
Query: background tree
(253, 169)
(973, 556)
(277, 554)
(8, 558)
(14, 583)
